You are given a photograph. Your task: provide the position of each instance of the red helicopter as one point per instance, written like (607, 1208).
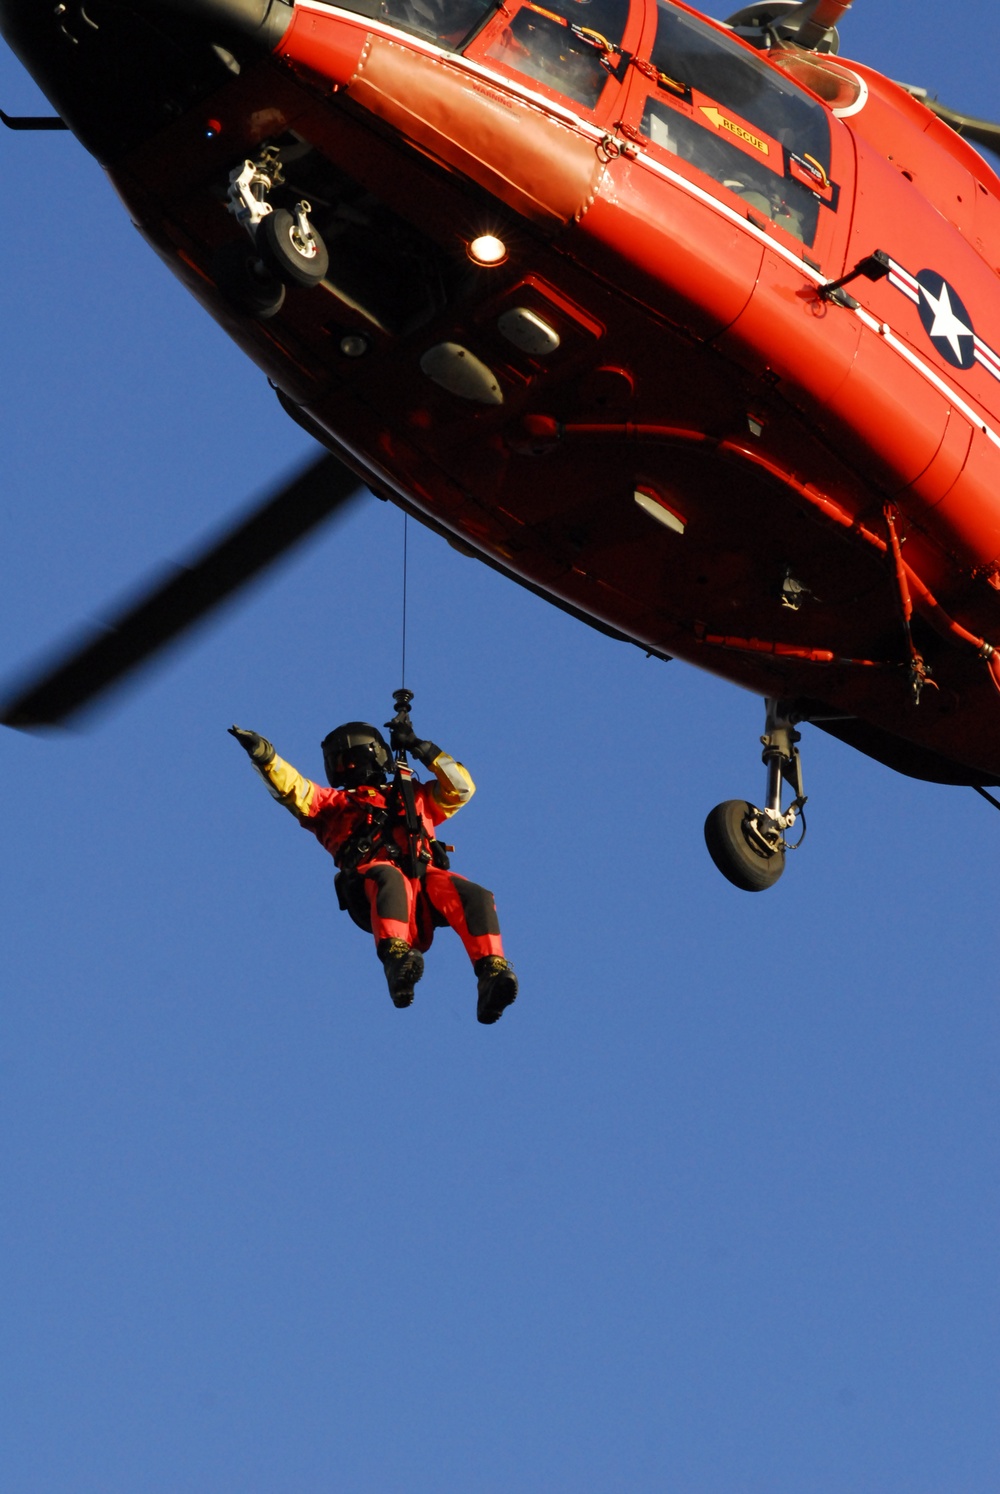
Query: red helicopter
(690, 327)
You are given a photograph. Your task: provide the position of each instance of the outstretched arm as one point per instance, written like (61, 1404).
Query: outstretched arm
(284, 782)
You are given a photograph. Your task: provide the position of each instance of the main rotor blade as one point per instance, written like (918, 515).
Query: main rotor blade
(102, 660)
(33, 121)
(982, 131)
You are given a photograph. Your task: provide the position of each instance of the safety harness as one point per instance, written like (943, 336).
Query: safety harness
(374, 835)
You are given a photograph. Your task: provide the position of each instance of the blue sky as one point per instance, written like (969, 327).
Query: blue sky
(713, 1210)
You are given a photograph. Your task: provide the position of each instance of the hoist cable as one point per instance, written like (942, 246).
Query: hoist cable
(988, 797)
(402, 672)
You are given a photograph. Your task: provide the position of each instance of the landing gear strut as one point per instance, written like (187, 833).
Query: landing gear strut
(284, 248)
(748, 844)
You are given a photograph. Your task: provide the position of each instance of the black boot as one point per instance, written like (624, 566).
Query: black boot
(497, 987)
(403, 967)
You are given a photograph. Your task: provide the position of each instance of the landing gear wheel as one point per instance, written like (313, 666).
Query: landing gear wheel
(736, 858)
(285, 250)
(247, 283)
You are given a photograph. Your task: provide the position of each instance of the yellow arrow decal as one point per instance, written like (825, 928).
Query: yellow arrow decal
(722, 123)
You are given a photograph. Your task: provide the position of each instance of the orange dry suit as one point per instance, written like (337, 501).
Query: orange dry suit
(365, 833)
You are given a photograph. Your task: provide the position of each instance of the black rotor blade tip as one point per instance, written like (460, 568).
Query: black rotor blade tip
(84, 671)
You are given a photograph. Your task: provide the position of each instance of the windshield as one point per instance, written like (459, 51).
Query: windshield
(730, 114)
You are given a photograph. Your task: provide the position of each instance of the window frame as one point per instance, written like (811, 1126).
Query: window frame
(607, 107)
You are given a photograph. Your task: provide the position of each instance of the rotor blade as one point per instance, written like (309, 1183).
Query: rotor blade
(33, 121)
(982, 131)
(99, 661)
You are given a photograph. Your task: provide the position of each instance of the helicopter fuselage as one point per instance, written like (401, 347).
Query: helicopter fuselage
(582, 316)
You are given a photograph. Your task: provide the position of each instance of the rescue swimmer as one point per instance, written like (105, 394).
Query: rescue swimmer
(393, 874)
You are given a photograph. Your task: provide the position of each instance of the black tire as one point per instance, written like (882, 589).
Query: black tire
(736, 858)
(282, 249)
(245, 282)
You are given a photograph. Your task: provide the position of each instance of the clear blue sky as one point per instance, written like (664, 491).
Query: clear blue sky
(713, 1210)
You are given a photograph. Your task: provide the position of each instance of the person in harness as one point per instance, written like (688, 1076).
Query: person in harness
(393, 875)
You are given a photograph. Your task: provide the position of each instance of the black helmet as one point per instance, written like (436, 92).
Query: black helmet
(356, 753)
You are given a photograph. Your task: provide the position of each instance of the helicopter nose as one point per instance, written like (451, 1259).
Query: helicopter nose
(117, 73)
(263, 21)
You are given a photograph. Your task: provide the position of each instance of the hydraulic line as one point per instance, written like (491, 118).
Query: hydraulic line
(919, 672)
(544, 430)
(786, 651)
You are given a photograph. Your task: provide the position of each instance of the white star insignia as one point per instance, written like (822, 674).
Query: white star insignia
(947, 325)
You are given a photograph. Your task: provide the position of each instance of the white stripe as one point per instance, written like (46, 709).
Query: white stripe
(903, 286)
(990, 365)
(725, 211)
(984, 352)
(911, 281)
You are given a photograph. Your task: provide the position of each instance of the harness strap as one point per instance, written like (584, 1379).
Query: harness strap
(372, 834)
(402, 788)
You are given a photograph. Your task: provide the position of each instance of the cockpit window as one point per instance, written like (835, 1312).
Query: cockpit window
(745, 125)
(699, 58)
(565, 44)
(449, 23)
